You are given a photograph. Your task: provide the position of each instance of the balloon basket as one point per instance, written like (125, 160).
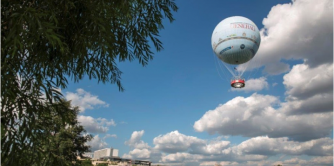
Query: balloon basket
(237, 82)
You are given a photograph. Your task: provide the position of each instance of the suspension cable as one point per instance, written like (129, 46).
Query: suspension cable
(215, 61)
(229, 69)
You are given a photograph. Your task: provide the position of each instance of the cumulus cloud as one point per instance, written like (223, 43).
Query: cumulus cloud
(294, 161)
(304, 82)
(180, 157)
(319, 161)
(274, 146)
(254, 151)
(177, 142)
(144, 154)
(141, 150)
(190, 150)
(302, 30)
(309, 90)
(256, 84)
(139, 154)
(215, 163)
(97, 143)
(92, 125)
(135, 140)
(256, 116)
(323, 160)
(84, 100)
(306, 116)
(173, 142)
(320, 103)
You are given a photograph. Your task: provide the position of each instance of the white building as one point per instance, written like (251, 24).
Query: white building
(106, 153)
(88, 154)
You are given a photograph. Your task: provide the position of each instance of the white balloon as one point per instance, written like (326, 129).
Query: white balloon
(235, 40)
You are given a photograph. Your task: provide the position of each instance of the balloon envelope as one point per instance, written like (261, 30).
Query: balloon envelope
(235, 40)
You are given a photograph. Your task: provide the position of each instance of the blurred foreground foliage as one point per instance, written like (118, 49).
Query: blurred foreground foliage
(46, 42)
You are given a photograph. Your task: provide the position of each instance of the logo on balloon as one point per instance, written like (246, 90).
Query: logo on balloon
(242, 25)
(225, 49)
(242, 46)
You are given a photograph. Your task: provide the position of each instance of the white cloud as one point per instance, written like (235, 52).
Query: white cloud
(274, 84)
(319, 161)
(144, 154)
(227, 156)
(141, 150)
(320, 103)
(215, 163)
(135, 140)
(274, 146)
(110, 136)
(176, 142)
(306, 115)
(140, 153)
(309, 90)
(190, 150)
(92, 125)
(254, 85)
(180, 157)
(256, 116)
(237, 110)
(323, 160)
(293, 161)
(172, 142)
(302, 29)
(303, 82)
(104, 121)
(84, 100)
(254, 151)
(97, 143)
(214, 147)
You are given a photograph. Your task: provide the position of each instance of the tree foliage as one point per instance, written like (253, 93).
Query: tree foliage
(59, 142)
(68, 139)
(86, 163)
(47, 42)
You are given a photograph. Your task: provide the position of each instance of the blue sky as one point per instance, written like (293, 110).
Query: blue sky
(167, 103)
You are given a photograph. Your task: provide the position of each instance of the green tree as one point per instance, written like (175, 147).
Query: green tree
(45, 43)
(68, 139)
(60, 142)
(86, 163)
(102, 164)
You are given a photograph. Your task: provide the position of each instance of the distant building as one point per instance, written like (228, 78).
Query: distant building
(106, 153)
(89, 155)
